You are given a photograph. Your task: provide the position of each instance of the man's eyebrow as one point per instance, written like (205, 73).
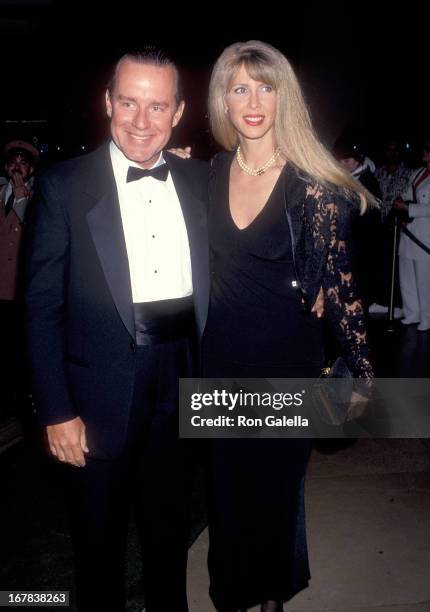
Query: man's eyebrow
(129, 98)
(153, 102)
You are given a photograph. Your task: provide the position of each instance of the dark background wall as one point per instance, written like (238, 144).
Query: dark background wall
(359, 69)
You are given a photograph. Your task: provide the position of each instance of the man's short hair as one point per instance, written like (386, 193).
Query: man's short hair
(153, 57)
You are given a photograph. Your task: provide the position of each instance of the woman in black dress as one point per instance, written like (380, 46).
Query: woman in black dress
(257, 325)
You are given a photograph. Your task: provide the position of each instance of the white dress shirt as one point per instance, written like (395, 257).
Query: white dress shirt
(155, 234)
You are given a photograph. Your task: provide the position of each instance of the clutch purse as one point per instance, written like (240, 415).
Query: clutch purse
(336, 403)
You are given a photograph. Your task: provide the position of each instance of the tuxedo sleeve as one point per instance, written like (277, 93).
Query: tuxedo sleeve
(47, 265)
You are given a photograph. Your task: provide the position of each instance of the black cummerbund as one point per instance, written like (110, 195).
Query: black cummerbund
(164, 320)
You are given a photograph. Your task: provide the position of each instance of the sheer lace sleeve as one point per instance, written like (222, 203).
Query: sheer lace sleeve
(329, 219)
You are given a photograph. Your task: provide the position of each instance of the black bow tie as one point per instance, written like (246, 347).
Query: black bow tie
(160, 173)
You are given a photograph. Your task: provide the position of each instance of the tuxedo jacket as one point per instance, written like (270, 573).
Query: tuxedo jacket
(79, 305)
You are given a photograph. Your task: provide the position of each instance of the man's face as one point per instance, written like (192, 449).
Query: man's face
(143, 110)
(349, 163)
(19, 165)
(426, 152)
(392, 153)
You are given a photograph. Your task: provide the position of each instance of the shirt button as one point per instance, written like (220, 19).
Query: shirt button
(155, 271)
(150, 201)
(153, 235)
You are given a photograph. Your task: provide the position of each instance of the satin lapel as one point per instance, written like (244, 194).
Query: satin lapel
(105, 225)
(194, 210)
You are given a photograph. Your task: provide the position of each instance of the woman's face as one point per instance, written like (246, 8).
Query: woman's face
(251, 106)
(426, 153)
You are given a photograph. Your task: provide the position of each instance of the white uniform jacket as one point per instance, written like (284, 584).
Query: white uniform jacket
(419, 211)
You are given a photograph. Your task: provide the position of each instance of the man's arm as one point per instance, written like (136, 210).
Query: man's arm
(47, 278)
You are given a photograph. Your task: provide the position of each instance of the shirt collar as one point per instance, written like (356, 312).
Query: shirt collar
(9, 187)
(121, 163)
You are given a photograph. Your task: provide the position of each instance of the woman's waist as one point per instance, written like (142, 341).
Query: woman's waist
(242, 292)
(264, 365)
(268, 338)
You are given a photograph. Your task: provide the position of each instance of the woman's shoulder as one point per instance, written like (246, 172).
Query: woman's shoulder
(317, 194)
(221, 159)
(218, 169)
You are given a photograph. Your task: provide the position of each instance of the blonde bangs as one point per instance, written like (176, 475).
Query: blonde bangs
(258, 69)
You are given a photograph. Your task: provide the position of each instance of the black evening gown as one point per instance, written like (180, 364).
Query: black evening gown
(257, 327)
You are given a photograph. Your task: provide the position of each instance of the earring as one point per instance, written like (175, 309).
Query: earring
(226, 109)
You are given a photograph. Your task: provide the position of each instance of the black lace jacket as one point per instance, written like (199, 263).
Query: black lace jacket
(321, 219)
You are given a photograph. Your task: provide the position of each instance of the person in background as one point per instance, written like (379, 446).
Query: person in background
(392, 176)
(21, 158)
(414, 261)
(352, 157)
(367, 228)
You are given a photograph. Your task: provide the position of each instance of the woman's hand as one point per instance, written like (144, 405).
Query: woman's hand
(184, 153)
(318, 307)
(358, 406)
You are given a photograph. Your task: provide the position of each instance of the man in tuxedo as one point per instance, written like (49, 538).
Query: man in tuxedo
(117, 296)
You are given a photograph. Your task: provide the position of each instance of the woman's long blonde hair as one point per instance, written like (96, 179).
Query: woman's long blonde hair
(294, 133)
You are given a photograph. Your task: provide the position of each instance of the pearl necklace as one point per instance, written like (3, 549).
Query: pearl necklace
(257, 171)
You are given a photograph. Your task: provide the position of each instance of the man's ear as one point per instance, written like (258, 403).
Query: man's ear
(108, 104)
(178, 114)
